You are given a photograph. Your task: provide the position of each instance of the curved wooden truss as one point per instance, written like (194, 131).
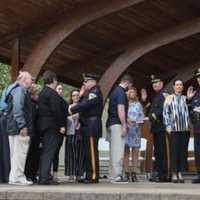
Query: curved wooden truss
(139, 48)
(58, 33)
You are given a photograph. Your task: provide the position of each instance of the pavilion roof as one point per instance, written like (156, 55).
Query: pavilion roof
(94, 46)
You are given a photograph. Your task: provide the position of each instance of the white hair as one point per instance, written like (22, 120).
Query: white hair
(23, 75)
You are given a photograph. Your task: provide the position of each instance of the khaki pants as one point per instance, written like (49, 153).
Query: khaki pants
(19, 146)
(117, 144)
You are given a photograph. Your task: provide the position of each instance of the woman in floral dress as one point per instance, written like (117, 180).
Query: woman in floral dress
(133, 139)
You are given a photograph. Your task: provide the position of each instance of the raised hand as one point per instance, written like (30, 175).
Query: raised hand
(190, 92)
(144, 94)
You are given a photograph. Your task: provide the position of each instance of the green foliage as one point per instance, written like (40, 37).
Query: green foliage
(66, 88)
(66, 91)
(5, 77)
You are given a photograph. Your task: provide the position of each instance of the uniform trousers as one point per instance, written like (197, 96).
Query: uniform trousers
(91, 157)
(19, 146)
(179, 149)
(51, 142)
(160, 153)
(197, 150)
(80, 156)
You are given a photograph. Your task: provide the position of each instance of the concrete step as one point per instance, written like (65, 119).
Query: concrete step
(102, 191)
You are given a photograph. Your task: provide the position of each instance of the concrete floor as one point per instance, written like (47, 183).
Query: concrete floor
(102, 191)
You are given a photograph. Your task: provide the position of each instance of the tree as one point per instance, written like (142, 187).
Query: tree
(5, 77)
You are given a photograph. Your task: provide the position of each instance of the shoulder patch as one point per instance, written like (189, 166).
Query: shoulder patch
(92, 96)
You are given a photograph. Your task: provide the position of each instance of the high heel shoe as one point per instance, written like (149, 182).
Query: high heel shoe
(127, 176)
(181, 180)
(174, 180)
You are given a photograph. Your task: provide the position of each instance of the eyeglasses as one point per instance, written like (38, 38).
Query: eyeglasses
(75, 95)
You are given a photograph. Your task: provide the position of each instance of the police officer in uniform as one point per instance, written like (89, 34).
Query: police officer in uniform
(90, 109)
(194, 105)
(158, 131)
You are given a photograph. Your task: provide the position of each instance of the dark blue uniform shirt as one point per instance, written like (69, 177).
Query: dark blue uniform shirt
(195, 102)
(90, 108)
(157, 124)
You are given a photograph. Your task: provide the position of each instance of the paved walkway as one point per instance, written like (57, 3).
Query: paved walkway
(102, 191)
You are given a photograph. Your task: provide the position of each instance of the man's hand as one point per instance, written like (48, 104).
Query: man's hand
(131, 122)
(124, 130)
(190, 93)
(169, 130)
(24, 132)
(144, 94)
(197, 109)
(69, 110)
(62, 130)
(82, 90)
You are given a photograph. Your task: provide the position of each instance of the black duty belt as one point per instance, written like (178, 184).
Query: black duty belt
(93, 118)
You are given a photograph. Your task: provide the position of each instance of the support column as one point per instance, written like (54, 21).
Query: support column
(15, 59)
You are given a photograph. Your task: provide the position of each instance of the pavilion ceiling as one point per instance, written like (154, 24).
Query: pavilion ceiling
(93, 47)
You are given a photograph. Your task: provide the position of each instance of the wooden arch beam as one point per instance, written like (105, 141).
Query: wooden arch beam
(184, 75)
(57, 34)
(141, 47)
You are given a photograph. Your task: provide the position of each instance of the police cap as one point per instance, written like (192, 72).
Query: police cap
(197, 72)
(88, 76)
(155, 79)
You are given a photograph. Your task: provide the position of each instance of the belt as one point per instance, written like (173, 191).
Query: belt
(93, 118)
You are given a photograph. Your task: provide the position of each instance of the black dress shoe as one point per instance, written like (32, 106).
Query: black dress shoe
(181, 180)
(174, 180)
(154, 179)
(165, 179)
(48, 182)
(87, 181)
(80, 180)
(196, 180)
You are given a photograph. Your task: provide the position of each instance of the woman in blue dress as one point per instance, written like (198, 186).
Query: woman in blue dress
(133, 139)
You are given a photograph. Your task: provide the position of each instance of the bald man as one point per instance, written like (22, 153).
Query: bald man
(19, 128)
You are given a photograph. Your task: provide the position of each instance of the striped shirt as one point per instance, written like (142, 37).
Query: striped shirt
(175, 113)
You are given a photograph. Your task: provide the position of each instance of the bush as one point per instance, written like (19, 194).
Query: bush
(5, 77)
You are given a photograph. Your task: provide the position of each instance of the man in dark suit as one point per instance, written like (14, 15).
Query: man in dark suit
(51, 123)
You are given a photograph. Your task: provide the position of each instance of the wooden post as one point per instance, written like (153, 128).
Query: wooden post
(149, 147)
(15, 59)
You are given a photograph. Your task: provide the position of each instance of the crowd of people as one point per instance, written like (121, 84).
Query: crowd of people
(34, 122)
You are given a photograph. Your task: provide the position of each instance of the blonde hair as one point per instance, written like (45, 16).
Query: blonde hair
(128, 94)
